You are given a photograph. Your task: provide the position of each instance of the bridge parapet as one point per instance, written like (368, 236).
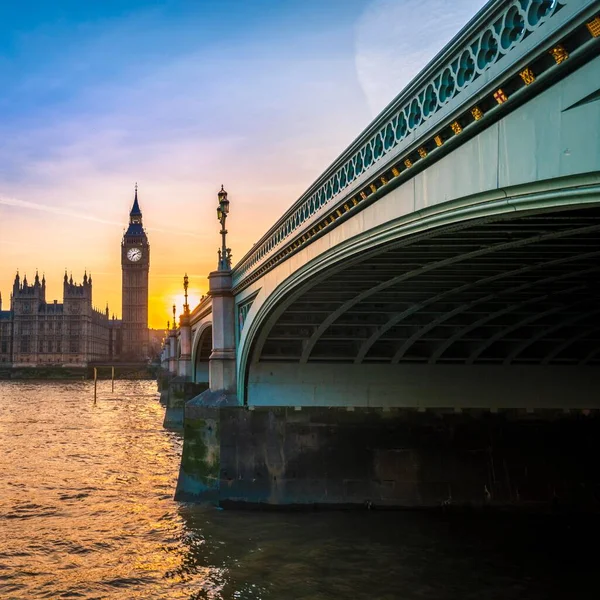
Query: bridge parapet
(507, 51)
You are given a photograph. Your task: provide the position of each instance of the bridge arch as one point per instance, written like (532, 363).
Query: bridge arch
(201, 349)
(508, 280)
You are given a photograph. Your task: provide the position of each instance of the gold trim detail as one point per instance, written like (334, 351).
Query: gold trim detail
(456, 127)
(527, 76)
(477, 113)
(559, 54)
(422, 152)
(408, 163)
(594, 27)
(500, 96)
(438, 140)
(395, 172)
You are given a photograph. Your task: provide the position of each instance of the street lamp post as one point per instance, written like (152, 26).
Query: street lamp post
(186, 308)
(174, 318)
(222, 212)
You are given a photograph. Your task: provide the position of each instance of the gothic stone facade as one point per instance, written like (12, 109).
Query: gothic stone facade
(135, 265)
(34, 332)
(37, 333)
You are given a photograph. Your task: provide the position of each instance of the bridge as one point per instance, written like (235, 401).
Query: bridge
(441, 273)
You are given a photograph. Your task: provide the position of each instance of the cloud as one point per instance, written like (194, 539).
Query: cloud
(65, 212)
(396, 39)
(13, 202)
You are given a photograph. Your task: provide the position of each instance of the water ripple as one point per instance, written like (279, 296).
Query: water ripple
(86, 511)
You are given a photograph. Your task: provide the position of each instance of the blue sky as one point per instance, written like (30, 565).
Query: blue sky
(182, 96)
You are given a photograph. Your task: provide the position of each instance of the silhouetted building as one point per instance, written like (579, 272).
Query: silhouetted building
(36, 332)
(5, 334)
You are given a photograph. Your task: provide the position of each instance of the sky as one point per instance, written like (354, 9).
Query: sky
(182, 96)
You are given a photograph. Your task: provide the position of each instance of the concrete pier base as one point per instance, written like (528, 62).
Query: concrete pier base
(401, 458)
(173, 417)
(179, 391)
(199, 474)
(162, 382)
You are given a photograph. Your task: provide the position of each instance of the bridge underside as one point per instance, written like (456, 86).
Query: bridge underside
(511, 291)
(456, 316)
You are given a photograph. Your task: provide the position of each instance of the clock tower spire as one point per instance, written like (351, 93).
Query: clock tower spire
(135, 264)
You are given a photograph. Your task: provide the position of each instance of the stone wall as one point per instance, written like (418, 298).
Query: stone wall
(392, 458)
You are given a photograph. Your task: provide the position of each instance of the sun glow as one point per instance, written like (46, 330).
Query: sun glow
(161, 308)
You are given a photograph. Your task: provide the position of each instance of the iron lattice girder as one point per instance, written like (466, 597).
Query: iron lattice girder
(441, 299)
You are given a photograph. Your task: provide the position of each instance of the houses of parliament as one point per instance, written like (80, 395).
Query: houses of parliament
(36, 332)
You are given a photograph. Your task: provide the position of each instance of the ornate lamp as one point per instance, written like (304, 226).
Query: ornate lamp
(222, 212)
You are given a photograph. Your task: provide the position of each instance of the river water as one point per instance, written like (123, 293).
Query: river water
(86, 511)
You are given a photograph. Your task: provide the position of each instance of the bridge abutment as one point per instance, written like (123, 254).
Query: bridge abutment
(179, 391)
(199, 474)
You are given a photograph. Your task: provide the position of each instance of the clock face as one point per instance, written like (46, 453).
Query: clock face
(134, 254)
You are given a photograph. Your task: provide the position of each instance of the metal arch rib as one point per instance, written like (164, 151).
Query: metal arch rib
(504, 332)
(399, 316)
(423, 330)
(527, 343)
(402, 350)
(499, 313)
(451, 340)
(430, 267)
(575, 338)
(508, 309)
(367, 344)
(590, 356)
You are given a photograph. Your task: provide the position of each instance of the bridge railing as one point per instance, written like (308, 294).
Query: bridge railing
(498, 39)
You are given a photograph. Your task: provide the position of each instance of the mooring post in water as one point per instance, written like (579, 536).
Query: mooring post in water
(113, 380)
(95, 382)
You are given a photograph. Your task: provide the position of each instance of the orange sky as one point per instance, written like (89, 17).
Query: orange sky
(77, 243)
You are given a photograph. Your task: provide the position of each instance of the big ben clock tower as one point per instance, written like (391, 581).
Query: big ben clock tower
(135, 263)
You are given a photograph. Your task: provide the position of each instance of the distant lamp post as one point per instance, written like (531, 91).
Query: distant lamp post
(186, 308)
(174, 317)
(222, 212)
